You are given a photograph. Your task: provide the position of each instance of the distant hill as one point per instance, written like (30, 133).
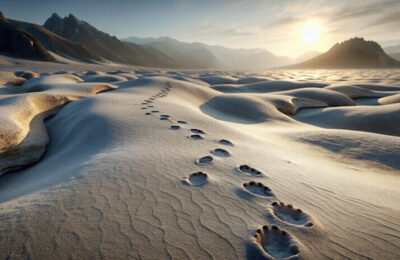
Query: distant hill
(17, 42)
(353, 53)
(247, 59)
(306, 56)
(212, 56)
(189, 55)
(392, 49)
(396, 56)
(104, 45)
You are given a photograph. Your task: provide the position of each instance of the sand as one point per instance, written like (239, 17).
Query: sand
(133, 163)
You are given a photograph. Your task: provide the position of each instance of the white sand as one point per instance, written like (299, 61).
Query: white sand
(116, 181)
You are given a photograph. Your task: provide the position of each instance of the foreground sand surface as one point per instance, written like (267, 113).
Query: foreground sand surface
(152, 164)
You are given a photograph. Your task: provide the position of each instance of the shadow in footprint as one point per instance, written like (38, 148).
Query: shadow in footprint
(225, 142)
(249, 170)
(291, 215)
(197, 131)
(258, 188)
(196, 137)
(196, 179)
(148, 113)
(204, 160)
(175, 127)
(181, 122)
(220, 152)
(277, 243)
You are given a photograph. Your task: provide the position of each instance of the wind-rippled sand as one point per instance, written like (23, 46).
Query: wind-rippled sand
(278, 164)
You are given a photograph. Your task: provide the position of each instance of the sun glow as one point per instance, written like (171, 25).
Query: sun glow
(310, 32)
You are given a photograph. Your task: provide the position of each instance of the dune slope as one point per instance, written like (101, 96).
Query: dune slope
(168, 166)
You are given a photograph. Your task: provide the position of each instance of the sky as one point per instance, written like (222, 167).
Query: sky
(269, 24)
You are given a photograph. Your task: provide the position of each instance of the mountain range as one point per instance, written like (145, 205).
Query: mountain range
(74, 39)
(217, 56)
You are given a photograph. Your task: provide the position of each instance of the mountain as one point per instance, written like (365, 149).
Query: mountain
(392, 49)
(141, 41)
(188, 55)
(57, 44)
(306, 56)
(396, 56)
(17, 42)
(247, 59)
(104, 45)
(214, 56)
(353, 53)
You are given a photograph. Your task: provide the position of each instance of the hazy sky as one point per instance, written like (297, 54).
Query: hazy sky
(271, 24)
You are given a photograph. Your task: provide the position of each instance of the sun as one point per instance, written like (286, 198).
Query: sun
(310, 32)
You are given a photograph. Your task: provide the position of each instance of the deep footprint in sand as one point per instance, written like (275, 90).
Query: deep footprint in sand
(291, 215)
(258, 188)
(276, 242)
(148, 113)
(225, 142)
(181, 122)
(249, 170)
(220, 152)
(175, 127)
(197, 131)
(196, 137)
(204, 160)
(196, 179)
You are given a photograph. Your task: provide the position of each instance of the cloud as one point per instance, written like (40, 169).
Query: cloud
(355, 11)
(390, 21)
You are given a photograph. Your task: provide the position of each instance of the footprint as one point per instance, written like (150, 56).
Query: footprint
(225, 142)
(148, 113)
(220, 152)
(197, 131)
(277, 243)
(143, 107)
(155, 111)
(196, 137)
(249, 170)
(196, 179)
(150, 106)
(167, 116)
(164, 118)
(204, 160)
(291, 215)
(258, 188)
(181, 122)
(175, 127)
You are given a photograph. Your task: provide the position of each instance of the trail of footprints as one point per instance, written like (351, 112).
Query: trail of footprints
(275, 242)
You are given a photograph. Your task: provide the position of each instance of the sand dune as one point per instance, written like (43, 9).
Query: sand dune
(177, 165)
(24, 137)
